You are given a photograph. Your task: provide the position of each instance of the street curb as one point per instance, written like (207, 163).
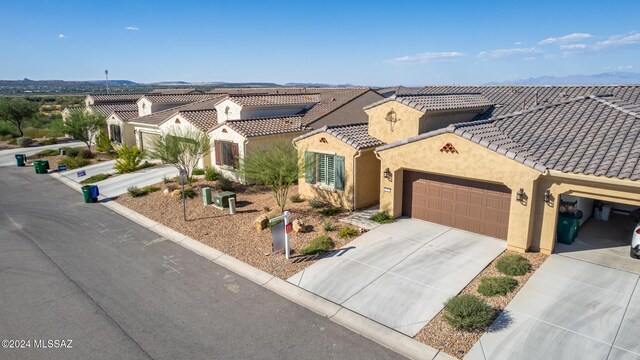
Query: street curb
(387, 337)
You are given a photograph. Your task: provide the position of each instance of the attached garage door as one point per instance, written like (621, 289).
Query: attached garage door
(146, 140)
(464, 204)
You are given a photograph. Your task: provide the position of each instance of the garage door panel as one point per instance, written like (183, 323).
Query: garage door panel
(465, 204)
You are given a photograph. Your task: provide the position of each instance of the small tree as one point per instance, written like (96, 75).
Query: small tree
(84, 126)
(276, 167)
(182, 148)
(103, 144)
(17, 111)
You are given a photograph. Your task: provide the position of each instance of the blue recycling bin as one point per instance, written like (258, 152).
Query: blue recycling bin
(90, 193)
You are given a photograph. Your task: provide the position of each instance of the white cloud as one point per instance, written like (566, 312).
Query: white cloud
(62, 36)
(426, 57)
(573, 47)
(566, 39)
(632, 38)
(517, 43)
(526, 53)
(132, 28)
(625, 67)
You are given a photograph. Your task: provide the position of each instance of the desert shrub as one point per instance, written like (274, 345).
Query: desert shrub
(129, 159)
(74, 162)
(48, 152)
(327, 225)
(197, 171)
(330, 211)
(189, 192)
(135, 191)
(315, 203)
(498, 285)
(69, 151)
(13, 141)
(211, 174)
(321, 244)
(35, 133)
(103, 144)
(145, 165)
(49, 141)
(24, 141)
(382, 217)
(86, 154)
(347, 232)
(467, 312)
(225, 184)
(95, 178)
(296, 198)
(149, 189)
(167, 180)
(513, 265)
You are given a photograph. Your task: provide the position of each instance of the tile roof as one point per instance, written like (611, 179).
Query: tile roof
(592, 135)
(509, 99)
(107, 109)
(274, 99)
(204, 120)
(266, 126)
(125, 115)
(159, 117)
(354, 135)
(113, 98)
(438, 102)
(177, 98)
(176, 91)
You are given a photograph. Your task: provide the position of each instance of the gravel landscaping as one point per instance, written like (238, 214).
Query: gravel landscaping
(235, 235)
(54, 160)
(440, 335)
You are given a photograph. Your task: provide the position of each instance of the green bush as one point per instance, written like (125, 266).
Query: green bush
(382, 217)
(13, 142)
(330, 211)
(103, 144)
(35, 133)
(498, 285)
(48, 152)
(315, 203)
(189, 192)
(69, 151)
(197, 171)
(327, 225)
(467, 312)
(296, 198)
(95, 178)
(50, 141)
(137, 192)
(129, 159)
(347, 232)
(225, 184)
(211, 174)
(149, 189)
(319, 245)
(513, 265)
(86, 154)
(167, 180)
(24, 141)
(74, 162)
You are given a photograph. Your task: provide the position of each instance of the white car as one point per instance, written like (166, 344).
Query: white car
(635, 243)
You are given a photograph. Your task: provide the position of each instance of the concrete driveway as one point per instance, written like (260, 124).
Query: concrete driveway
(400, 274)
(8, 156)
(569, 309)
(105, 167)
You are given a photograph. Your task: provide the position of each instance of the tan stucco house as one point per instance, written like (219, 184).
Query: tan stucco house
(496, 172)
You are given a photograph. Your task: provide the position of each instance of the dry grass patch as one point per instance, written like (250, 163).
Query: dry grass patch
(235, 234)
(440, 335)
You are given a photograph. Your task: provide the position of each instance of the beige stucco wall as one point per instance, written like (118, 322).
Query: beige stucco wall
(407, 126)
(126, 130)
(471, 162)
(591, 187)
(342, 198)
(367, 179)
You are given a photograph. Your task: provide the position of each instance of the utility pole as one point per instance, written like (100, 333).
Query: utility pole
(106, 73)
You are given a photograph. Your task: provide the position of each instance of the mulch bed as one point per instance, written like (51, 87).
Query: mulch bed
(235, 235)
(440, 335)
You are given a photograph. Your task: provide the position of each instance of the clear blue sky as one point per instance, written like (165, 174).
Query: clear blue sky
(358, 42)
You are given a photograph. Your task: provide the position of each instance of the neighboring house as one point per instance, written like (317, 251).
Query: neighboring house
(502, 171)
(119, 130)
(152, 103)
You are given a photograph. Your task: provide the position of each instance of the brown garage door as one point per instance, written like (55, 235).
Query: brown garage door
(464, 204)
(146, 140)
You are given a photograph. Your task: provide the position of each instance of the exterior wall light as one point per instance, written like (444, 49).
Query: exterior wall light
(387, 174)
(547, 196)
(520, 195)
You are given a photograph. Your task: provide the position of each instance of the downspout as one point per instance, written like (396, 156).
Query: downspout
(353, 188)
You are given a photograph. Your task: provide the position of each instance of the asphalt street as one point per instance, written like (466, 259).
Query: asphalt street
(75, 271)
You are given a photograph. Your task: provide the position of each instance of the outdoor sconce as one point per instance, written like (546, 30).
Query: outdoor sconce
(387, 174)
(520, 195)
(547, 196)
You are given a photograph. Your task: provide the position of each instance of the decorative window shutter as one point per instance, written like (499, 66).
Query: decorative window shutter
(309, 167)
(236, 154)
(218, 150)
(339, 167)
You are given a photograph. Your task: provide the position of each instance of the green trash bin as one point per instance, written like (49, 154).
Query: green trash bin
(45, 164)
(568, 224)
(90, 193)
(40, 167)
(20, 159)
(206, 195)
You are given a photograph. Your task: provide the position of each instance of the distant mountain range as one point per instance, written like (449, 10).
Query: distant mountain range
(608, 78)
